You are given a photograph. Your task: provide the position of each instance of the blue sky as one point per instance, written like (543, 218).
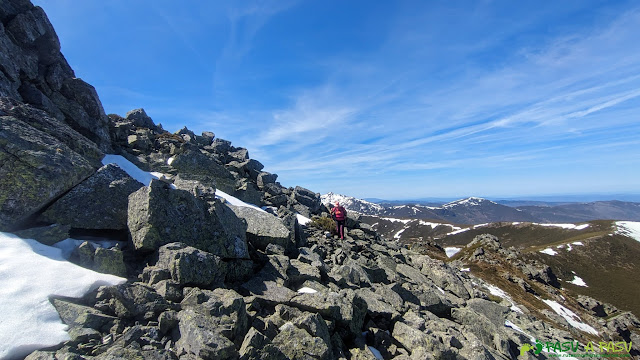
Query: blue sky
(387, 99)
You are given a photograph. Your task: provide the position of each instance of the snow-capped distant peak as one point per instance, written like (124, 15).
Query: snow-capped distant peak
(471, 201)
(351, 203)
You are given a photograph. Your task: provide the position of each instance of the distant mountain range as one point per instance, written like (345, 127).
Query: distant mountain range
(475, 210)
(543, 199)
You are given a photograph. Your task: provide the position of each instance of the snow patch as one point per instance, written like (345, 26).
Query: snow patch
(434, 225)
(458, 231)
(302, 220)
(130, 168)
(515, 327)
(571, 317)
(628, 228)
(579, 243)
(397, 235)
(578, 281)
(307, 290)
(549, 251)
(68, 245)
(451, 250)
(494, 290)
(234, 200)
(565, 226)
(30, 273)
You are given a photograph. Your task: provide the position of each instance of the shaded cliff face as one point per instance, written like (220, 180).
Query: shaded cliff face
(33, 71)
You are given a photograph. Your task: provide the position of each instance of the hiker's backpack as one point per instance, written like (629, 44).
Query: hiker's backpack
(339, 213)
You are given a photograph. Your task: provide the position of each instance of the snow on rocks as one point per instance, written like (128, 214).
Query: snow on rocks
(515, 327)
(404, 221)
(31, 273)
(68, 245)
(570, 316)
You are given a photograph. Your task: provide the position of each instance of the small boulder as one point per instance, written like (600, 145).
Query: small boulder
(190, 266)
(109, 261)
(263, 228)
(140, 119)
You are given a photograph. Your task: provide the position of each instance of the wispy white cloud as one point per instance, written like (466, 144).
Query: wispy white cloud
(544, 104)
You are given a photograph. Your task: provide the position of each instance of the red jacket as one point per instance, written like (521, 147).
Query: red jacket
(339, 212)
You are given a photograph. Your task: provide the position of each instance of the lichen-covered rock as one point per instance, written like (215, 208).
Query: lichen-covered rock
(263, 228)
(265, 178)
(47, 235)
(225, 308)
(296, 343)
(159, 215)
(256, 346)
(109, 261)
(345, 307)
(412, 339)
(81, 316)
(201, 337)
(99, 202)
(350, 274)
(248, 192)
(130, 301)
(195, 165)
(190, 266)
(269, 291)
(442, 275)
(42, 159)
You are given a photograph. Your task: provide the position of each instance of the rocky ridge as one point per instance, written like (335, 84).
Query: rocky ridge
(210, 278)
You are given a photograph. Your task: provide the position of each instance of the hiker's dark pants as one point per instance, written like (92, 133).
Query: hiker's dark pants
(340, 227)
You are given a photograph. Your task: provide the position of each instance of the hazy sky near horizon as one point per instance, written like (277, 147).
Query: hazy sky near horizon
(386, 99)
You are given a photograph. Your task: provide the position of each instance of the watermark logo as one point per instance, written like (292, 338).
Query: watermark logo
(527, 347)
(573, 349)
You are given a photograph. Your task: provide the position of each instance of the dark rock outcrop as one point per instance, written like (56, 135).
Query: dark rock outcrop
(34, 71)
(41, 158)
(100, 202)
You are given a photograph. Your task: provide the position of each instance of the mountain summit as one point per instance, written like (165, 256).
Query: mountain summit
(351, 203)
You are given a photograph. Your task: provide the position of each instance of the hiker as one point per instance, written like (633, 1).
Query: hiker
(339, 214)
